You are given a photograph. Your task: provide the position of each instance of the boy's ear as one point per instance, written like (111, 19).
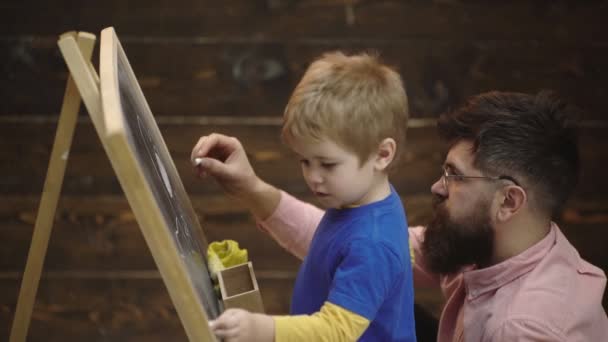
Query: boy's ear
(385, 154)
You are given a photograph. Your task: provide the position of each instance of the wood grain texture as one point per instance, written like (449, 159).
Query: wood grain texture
(541, 19)
(89, 171)
(255, 78)
(101, 233)
(115, 309)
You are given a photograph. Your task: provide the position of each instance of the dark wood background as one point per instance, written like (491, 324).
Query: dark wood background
(229, 66)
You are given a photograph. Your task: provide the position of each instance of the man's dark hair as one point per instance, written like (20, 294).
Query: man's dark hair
(532, 138)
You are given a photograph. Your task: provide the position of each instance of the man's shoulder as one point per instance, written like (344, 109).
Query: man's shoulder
(557, 322)
(572, 260)
(558, 296)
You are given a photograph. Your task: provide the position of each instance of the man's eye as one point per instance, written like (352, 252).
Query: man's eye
(457, 177)
(454, 176)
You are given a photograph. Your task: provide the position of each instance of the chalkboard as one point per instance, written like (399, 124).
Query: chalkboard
(154, 190)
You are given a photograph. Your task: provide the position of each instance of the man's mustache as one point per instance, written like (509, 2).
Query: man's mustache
(437, 201)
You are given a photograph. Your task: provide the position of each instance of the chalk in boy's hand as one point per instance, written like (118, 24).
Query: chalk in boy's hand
(197, 161)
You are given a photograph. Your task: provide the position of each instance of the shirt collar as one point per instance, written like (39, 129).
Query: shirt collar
(480, 281)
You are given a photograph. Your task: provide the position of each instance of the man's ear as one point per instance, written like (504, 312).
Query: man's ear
(385, 154)
(512, 199)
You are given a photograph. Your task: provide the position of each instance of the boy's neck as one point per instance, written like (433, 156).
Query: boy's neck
(380, 190)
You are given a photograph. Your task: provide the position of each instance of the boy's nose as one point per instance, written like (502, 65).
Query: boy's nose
(315, 177)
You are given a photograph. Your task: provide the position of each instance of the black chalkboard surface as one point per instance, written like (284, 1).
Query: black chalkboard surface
(154, 190)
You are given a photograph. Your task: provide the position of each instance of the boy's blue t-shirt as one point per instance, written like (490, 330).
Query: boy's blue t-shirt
(359, 260)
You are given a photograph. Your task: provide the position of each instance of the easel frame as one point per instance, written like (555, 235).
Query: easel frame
(85, 43)
(84, 85)
(140, 195)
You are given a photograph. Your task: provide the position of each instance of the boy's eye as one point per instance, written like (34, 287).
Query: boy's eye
(304, 162)
(328, 165)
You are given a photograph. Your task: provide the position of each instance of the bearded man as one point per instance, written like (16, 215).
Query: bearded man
(493, 248)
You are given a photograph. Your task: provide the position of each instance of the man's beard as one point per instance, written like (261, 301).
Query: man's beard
(449, 245)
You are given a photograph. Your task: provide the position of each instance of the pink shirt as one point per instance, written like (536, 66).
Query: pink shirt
(546, 293)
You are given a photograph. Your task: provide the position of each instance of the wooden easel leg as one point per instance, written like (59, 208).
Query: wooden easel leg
(50, 196)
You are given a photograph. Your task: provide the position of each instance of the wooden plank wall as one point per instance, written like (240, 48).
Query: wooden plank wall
(229, 66)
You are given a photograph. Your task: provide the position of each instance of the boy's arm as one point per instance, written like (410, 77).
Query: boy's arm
(292, 224)
(331, 323)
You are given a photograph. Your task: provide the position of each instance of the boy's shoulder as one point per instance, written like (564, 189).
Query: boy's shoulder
(379, 234)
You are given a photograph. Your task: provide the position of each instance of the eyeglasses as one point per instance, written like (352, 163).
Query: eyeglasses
(446, 176)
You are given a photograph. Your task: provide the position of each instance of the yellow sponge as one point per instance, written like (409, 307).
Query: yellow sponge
(224, 254)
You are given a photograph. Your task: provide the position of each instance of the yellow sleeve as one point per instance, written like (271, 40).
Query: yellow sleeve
(331, 323)
(412, 254)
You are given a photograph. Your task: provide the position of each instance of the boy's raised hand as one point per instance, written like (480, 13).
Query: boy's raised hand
(224, 158)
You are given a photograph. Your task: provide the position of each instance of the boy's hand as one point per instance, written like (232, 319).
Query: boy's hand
(236, 325)
(224, 158)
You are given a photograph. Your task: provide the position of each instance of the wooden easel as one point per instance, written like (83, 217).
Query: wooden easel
(50, 195)
(238, 284)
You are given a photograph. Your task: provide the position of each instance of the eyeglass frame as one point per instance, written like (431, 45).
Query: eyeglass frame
(446, 175)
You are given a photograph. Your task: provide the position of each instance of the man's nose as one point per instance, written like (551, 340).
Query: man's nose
(439, 189)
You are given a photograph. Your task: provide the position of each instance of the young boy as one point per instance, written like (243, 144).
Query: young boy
(346, 121)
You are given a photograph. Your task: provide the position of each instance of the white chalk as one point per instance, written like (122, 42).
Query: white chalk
(198, 161)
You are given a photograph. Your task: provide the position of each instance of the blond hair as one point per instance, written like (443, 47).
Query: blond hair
(355, 101)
